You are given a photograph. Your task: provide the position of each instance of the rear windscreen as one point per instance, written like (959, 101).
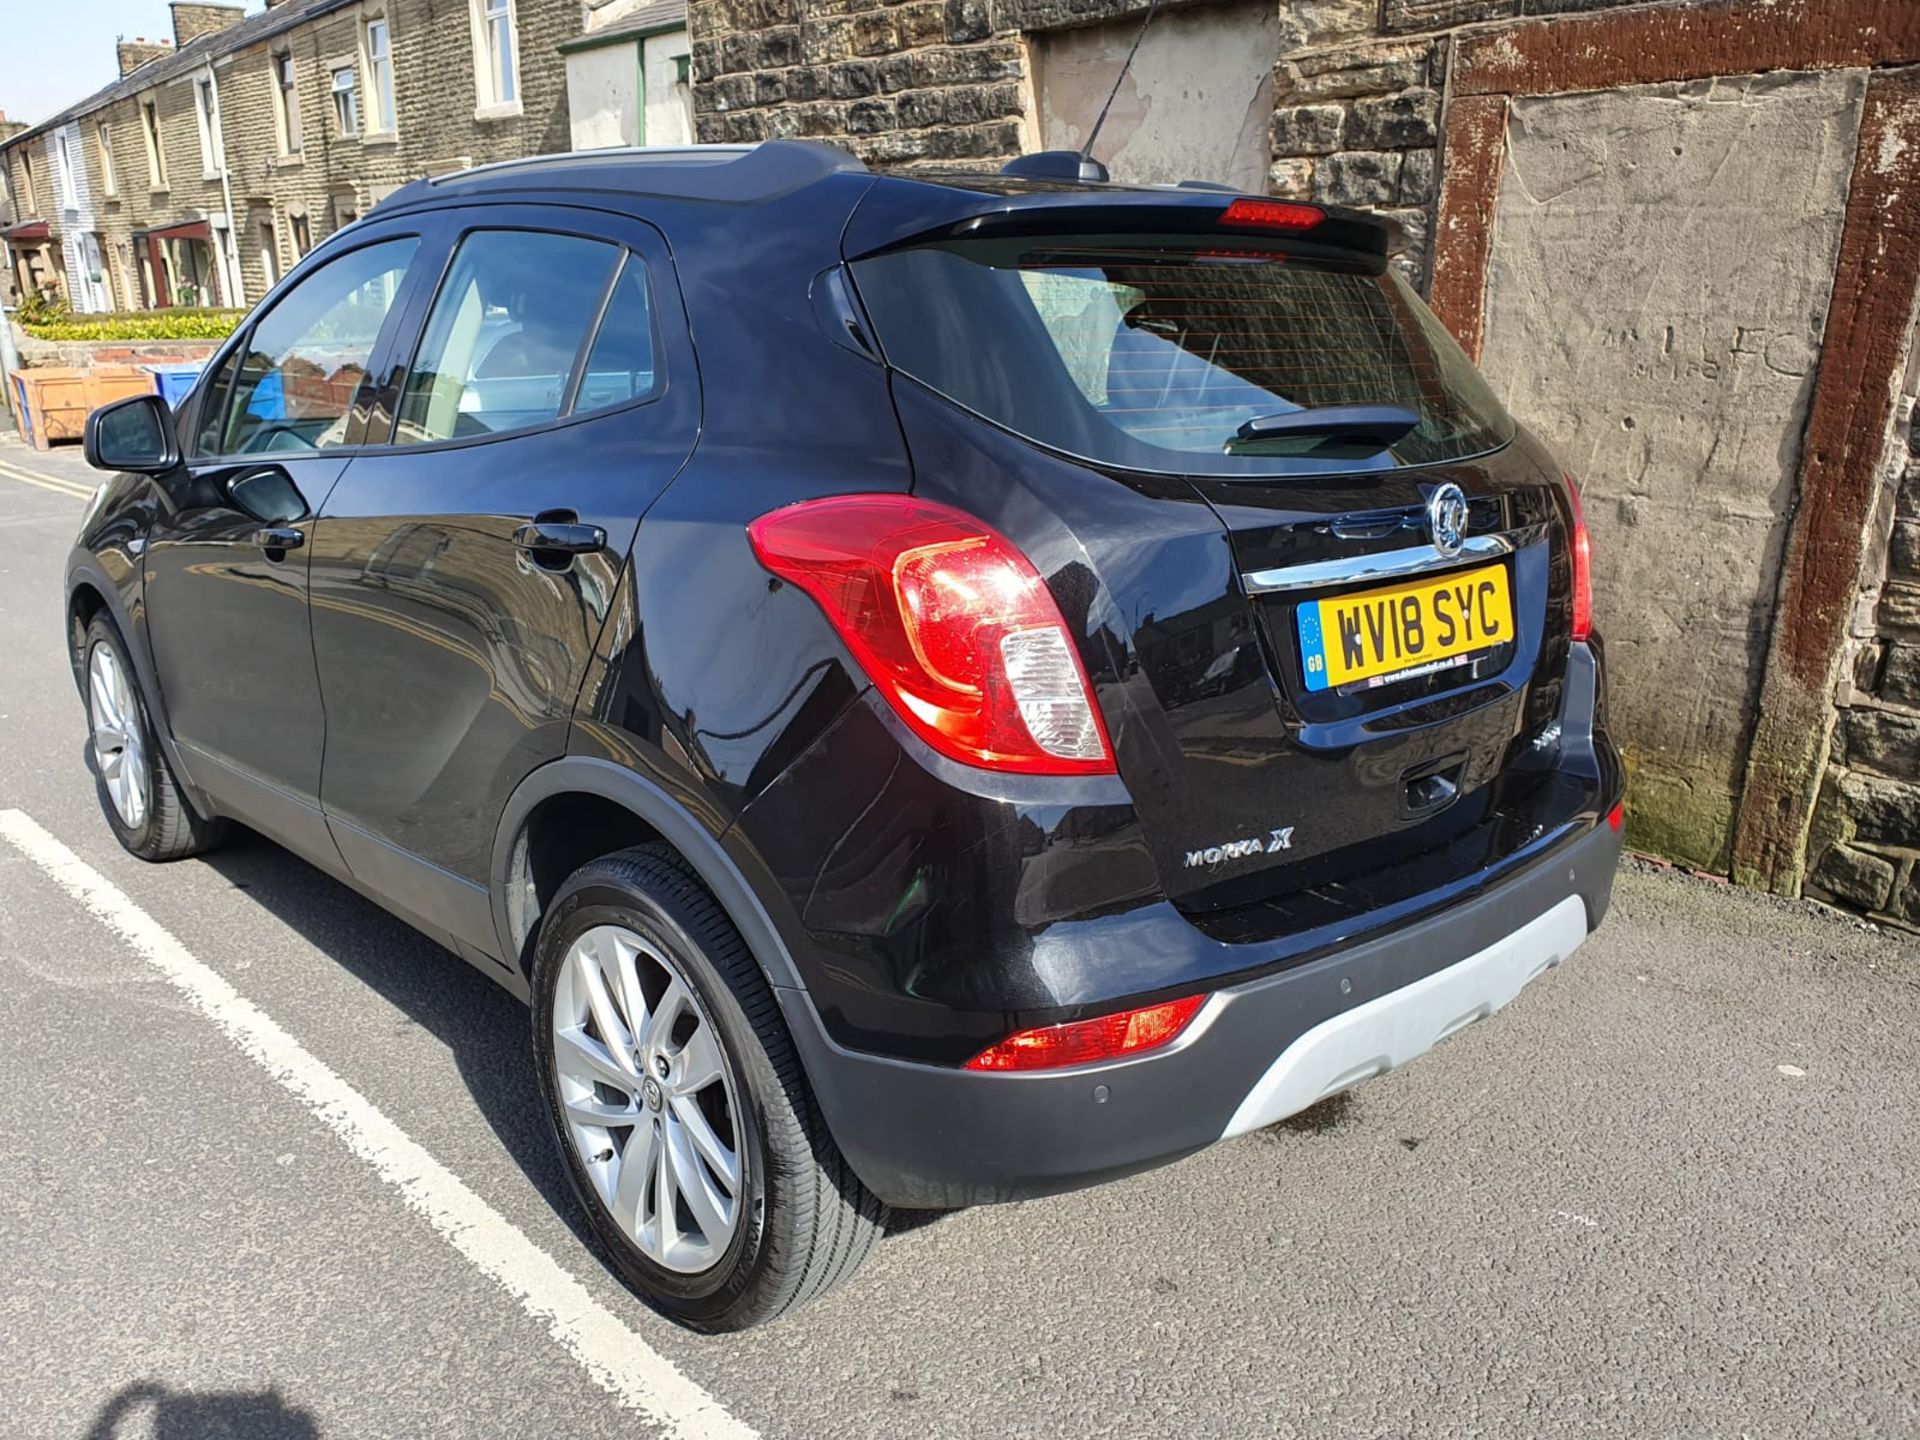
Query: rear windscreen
(1164, 358)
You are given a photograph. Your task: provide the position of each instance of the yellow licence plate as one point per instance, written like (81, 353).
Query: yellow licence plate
(1382, 635)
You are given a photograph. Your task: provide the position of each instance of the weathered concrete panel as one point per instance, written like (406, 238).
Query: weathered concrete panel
(1197, 103)
(1661, 267)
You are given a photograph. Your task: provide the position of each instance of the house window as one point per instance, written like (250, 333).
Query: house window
(156, 147)
(346, 100)
(107, 177)
(286, 103)
(269, 253)
(496, 53)
(32, 207)
(380, 75)
(206, 114)
(63, 166)
(302, 236)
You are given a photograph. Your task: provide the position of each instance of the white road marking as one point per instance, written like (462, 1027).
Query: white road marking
(638, 1376)
(48, 482)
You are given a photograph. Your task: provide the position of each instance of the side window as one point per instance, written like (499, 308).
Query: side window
(213, 407)
(505, 334)
(306, 357)
(620, 365)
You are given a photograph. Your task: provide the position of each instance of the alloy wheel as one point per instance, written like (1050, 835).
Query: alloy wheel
(118, 736)
(649, 1098)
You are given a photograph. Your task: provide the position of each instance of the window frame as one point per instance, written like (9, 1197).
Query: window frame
(627, 251)
(156, 145)
(286, 103)
(109, 178)
(488, 74)
(69, 194)
(206, 118)
(393, 328)
(346, 100)
(385, 116)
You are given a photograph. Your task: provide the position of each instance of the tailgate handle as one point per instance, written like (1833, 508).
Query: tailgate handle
(1433, 786)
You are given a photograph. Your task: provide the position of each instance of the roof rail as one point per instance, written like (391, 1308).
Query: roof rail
(737, 174)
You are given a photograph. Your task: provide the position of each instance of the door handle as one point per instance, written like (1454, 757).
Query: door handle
(560, 537)
(279, 537)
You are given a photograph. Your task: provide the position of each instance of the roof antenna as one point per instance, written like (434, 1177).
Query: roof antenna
(1080, 164)
(1086, 150)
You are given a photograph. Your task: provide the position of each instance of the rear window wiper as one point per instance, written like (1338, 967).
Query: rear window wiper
(1379, 425)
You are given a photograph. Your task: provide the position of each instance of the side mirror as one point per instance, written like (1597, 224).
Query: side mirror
(136, 435)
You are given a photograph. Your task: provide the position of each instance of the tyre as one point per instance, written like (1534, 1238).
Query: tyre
(687, 1125)
(138, 793)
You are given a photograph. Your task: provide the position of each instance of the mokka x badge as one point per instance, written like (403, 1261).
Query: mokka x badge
(1447, 519)
(1281, 839)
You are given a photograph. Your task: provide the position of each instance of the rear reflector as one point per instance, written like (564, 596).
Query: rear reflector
(1617, 817)
(1272, 215)
(951, 623)
(1085, 1042)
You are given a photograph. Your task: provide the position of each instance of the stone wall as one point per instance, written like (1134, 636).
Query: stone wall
(1864, 851)
(927, 80)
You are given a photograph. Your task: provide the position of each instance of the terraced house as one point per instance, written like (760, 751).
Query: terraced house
(221, 155)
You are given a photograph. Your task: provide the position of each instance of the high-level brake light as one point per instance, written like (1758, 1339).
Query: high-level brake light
(951, 623)
(1271, 215)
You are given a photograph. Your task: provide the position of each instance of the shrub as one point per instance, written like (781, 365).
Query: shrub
(178, 324)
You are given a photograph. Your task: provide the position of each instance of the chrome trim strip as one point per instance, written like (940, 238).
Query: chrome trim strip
(1388, 564)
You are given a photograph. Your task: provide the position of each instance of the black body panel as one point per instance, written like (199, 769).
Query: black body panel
(404, 697)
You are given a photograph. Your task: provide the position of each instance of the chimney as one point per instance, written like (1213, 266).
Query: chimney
(141, 51)
(192, 20)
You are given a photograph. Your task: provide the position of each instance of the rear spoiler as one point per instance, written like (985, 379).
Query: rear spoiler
(902, 210)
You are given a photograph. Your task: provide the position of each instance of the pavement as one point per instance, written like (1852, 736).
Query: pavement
(1674, 1189)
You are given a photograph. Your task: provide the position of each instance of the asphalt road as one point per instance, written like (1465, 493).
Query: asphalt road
(1674, 1189)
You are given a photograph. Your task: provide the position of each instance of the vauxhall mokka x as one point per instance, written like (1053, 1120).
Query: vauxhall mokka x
(935, 689)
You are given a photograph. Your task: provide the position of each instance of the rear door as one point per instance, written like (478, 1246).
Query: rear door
(463, 567)
(227, 560)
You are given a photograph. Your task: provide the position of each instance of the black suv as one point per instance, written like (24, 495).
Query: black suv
(935, 689)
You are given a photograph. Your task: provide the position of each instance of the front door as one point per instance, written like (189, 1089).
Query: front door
(226, 562)
(462, 572)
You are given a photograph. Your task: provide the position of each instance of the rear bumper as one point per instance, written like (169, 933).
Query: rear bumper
(933, 1136)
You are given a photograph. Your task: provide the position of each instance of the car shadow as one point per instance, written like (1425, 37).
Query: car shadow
(148, 1407)
(484, 1028)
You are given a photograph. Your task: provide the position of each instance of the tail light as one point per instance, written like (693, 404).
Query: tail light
(1083, 1042)
(1582, 568)
(950, 622)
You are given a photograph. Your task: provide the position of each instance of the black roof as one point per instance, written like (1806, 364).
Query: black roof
(727, 174)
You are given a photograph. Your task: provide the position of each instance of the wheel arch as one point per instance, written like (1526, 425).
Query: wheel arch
(599, 792)
(91, 593)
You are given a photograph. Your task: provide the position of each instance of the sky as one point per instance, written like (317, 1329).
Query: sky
(57, 51)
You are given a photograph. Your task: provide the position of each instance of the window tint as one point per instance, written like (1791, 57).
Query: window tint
(213, 407)
(620, 366)
(504, 335)
(1156, 357)
(306, 357)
